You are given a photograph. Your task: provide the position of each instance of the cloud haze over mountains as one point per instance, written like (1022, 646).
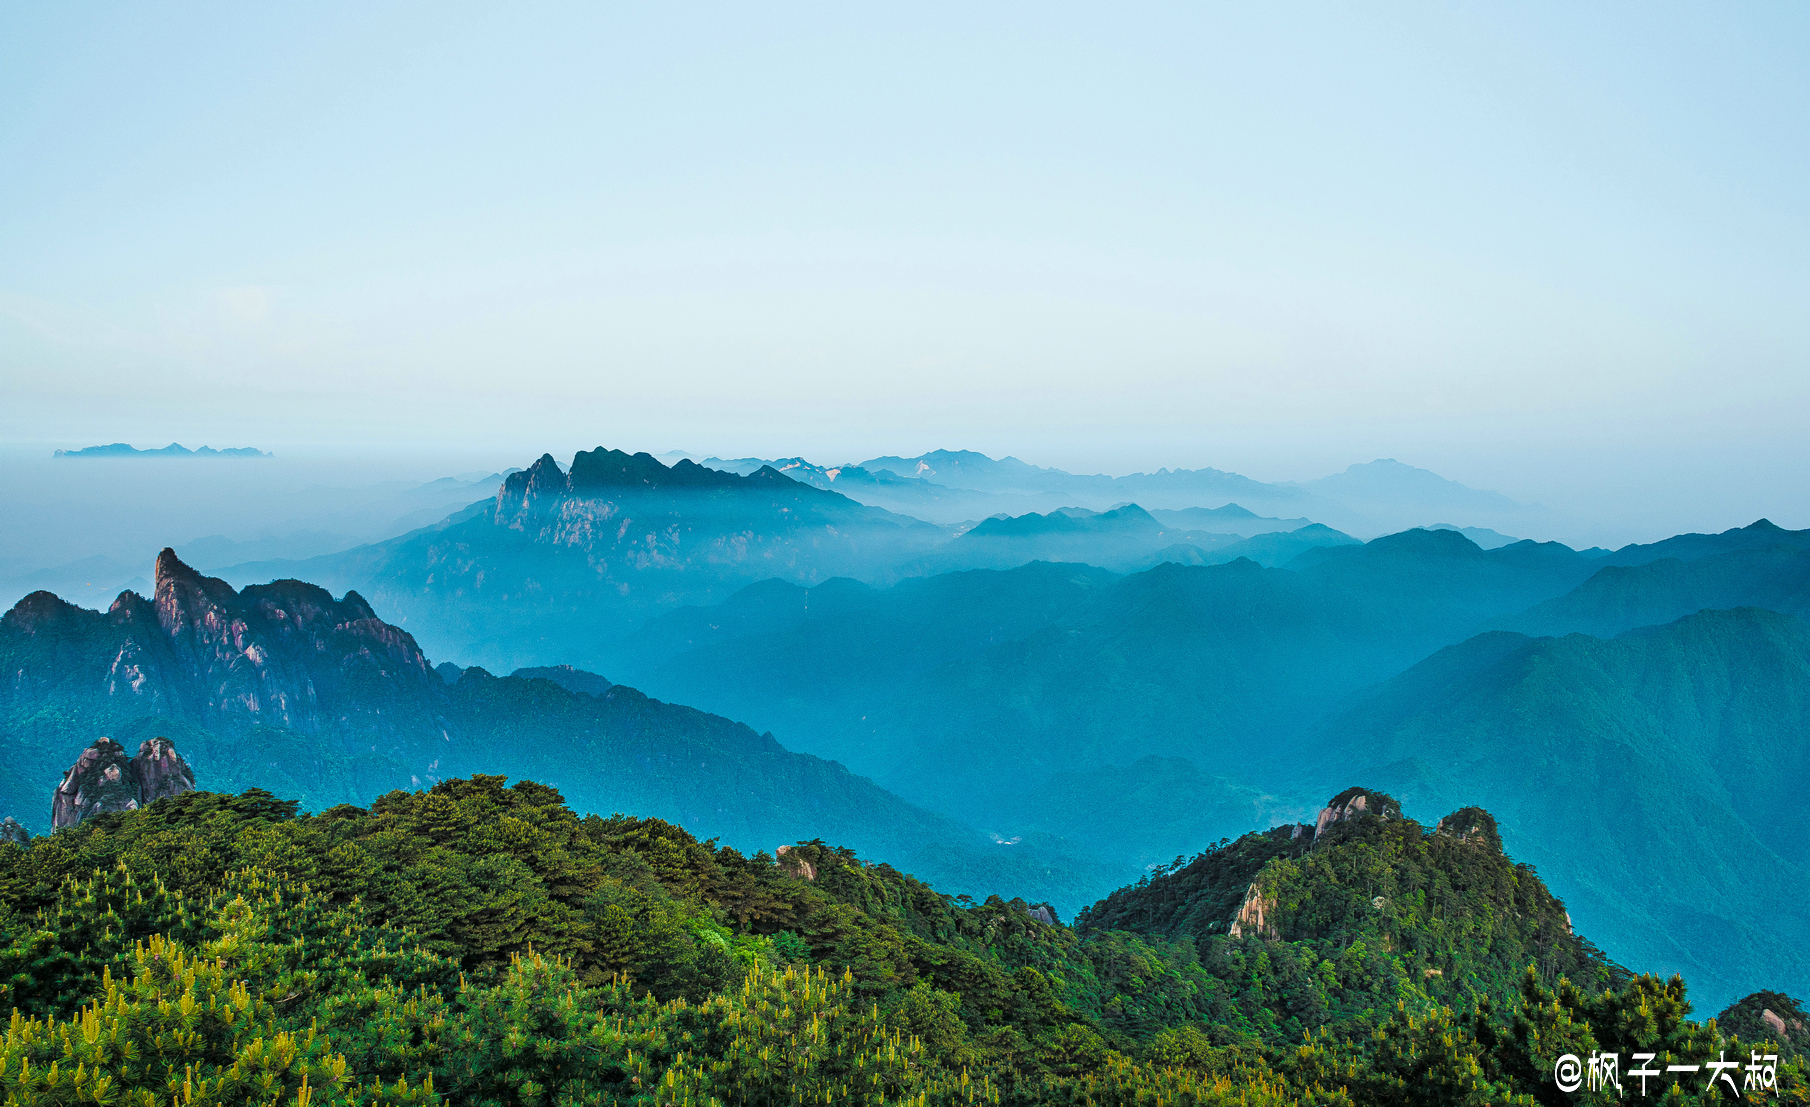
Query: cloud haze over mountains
(1086, 554)
(1110, 243)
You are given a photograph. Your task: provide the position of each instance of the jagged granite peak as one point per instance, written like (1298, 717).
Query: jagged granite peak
(160, 771)
(280, 654)
(101, 780)
(104, 779)
(603, 472)
(13, 832)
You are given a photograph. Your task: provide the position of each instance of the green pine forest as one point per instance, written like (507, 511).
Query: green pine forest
(479, 943)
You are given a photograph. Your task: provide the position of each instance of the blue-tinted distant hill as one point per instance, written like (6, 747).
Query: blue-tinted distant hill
(1124, 537)
(1755, 566)
(1268, 550)
(1212, 663)
(1657, 780)
(811, 663)
(1230, 519)
(1010, 678)
(1370, 499)
(1687, 547)
(560, 563)
(120, 449)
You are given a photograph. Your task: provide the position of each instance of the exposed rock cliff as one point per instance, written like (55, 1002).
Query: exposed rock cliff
(1256, 916)
(13, 833)
(1769, 1016)
(104, 779)
(794, 862)
(100, 780)
(160, 771)
(1350, 804)
(281, 654)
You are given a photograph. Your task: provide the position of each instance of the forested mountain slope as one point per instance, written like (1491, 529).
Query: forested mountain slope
(1621, 597)
(1655, 778)
(477, 944)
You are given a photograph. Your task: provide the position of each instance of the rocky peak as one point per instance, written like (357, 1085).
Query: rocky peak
(45, 611)
(1471, 824)
(161, 771)
(13, 833)
(282, 654)
(1352, 803)
(526, 488)
(104, 779)
(100, 780)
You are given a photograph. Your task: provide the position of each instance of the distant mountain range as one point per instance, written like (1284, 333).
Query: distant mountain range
(120, 449)
(283, 687)
(1064, 693)
(949, 486)
(561, 564)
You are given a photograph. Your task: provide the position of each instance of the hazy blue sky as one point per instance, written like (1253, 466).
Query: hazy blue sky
(1560, 251)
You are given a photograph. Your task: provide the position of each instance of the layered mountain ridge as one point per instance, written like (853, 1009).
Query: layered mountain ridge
(281, 686)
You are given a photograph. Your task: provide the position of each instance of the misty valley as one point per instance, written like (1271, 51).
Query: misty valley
(942, 779)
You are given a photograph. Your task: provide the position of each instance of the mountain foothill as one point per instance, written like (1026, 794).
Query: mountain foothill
(1043, 699)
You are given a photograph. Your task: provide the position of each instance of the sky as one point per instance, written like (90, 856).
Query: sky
(1555, 250)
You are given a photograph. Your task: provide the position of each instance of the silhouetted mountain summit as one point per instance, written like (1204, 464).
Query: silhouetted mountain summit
(562, 562)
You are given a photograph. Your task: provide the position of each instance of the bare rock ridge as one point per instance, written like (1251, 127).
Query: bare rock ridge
(12, 833)
(1353, 802)
(104, 779)
(282, 654)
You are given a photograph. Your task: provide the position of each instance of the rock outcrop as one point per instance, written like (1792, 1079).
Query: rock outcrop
(161, 771)
(1256, 916)
(104, 779)
(12, 832)
(794, 863)
(1769, 1016)
(1350, 804)
(1471, 824)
